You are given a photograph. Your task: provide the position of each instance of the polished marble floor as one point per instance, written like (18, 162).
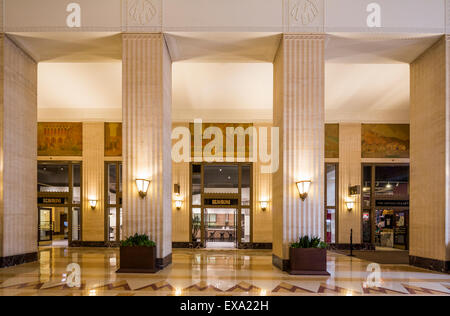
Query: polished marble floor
(211, 272)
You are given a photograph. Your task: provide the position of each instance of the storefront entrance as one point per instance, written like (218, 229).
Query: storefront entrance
(53, 225)
(220, 227)
(221, 205)
(386, 205)
(59, 203)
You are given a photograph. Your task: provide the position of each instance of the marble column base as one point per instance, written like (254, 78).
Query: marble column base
(161, 263)
(282, 264)
(430, 264)
(18, 259)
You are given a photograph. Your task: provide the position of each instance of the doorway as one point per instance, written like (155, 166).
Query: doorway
(221, 204)
(53, 226)
(385, 205)
(59, 203)
(220, 227)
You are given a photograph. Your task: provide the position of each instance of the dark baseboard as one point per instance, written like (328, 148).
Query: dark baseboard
(363, 246)
(282, 264)
(18, 259)
(182, 244)
(255, 245)
(246, 245)
(95, 244)
(161, 263)
(430, 264)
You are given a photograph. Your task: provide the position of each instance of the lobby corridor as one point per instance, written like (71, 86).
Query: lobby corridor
(210, 272)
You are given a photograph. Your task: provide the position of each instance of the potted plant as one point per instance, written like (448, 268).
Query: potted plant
(308, 256)
(137, 255)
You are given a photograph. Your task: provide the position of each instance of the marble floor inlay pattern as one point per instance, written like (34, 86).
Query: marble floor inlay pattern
(210, 272)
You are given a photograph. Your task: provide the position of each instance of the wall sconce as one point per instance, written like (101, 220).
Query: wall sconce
(178, 204)
(142, 186)
(350, 205)
(264, 205)
(303, 188)
(93, 204)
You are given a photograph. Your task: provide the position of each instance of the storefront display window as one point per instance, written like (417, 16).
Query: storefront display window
(113, 216)
(330, 202)
(386, 211)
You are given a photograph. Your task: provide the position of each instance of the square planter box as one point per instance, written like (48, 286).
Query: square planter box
(137, 260)
(308, 261)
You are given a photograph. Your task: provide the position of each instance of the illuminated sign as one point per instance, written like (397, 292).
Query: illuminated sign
(51, 200)
(221, 202)
(392, 203)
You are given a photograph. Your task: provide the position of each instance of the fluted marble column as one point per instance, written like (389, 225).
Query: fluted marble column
(147, 73)
(299, 113)
(430, 158)
(18, 155)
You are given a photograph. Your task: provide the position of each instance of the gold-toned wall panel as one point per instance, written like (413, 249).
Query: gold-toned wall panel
(18, 156)
(180, 218)
(93, 228)
(349, 175)
(262, 191)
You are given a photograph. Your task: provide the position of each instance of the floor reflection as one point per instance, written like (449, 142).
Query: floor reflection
(210, 272)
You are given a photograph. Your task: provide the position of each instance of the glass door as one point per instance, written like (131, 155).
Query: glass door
(220, 227)
(221, 204)
(59, 203)
(45, 224)
(401, 229)
(76, 223)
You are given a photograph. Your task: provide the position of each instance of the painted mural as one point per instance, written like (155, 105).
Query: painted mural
(113, 139)
(331, 140)
(60, 139)
(385, 141)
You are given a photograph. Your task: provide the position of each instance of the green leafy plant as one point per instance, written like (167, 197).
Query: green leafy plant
(309, 242)
(137, 241)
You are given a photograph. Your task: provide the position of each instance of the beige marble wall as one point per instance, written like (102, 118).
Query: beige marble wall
(93, 227)
(180, 218)
(430, 154)
(18, 152)
(349, 174)
(299, 113)
(146, 138)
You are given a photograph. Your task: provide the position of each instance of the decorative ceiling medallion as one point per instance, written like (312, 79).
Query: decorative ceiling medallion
(142, 11)
(305, 11)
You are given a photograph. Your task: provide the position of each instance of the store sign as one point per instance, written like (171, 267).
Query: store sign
(392, 203)
(221, 202)
(51, 200)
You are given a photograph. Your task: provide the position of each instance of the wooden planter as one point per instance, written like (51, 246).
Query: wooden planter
(308, 261)
(137, 260)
